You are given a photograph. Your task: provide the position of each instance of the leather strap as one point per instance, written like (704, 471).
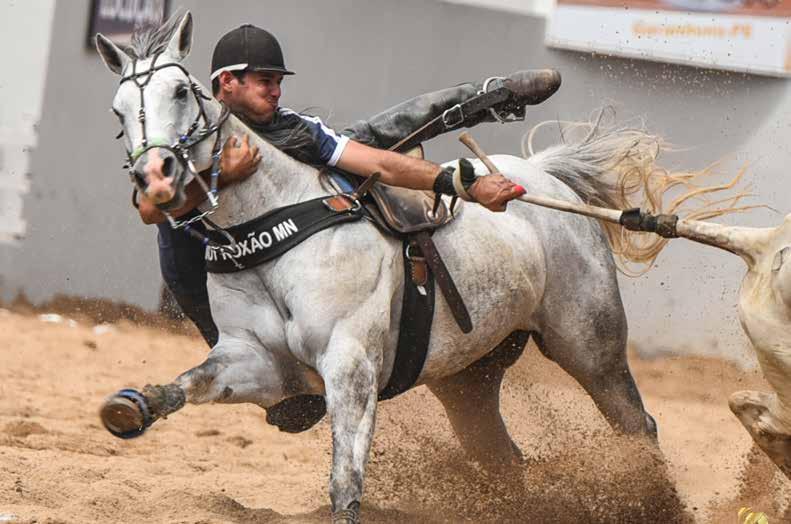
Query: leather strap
(636, 219)
(444, 281)
(453, 118)
(463, 177)
(414, 333)
(366, 186)
(270, 235)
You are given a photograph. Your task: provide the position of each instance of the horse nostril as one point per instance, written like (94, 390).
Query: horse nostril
(168, 167)
(140, 178)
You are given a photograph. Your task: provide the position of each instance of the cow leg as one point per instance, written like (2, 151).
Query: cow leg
(234, 372)
(350, 383)
(471, 399)
(754, 410)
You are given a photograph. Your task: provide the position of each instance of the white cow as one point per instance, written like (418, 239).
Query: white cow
(765, 314)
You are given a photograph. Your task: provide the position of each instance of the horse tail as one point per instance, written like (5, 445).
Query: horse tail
(617, 167)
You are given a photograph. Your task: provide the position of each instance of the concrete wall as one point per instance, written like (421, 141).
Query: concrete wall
(356, 57)
(21, 91)
(531, 7)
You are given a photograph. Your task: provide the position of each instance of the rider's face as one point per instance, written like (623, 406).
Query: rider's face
(256, 95)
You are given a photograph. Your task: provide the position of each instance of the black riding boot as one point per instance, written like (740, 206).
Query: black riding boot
(392, 125)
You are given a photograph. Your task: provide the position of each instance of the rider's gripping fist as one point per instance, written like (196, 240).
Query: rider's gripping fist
(491, 191)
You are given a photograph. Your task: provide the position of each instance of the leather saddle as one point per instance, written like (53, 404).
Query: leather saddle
(412, 216)
(398, 211)
(402, 211)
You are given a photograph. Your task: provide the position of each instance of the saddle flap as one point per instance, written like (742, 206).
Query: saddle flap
(408, 210)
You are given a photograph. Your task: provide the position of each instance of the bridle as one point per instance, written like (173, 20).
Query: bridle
(182, 147)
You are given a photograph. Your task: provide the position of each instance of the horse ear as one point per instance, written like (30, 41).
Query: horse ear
(181, 41)
(113, 56)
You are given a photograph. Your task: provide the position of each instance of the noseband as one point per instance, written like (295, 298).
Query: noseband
(182, 147)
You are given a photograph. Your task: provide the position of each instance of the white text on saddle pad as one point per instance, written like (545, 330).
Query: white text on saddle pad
(254, 242)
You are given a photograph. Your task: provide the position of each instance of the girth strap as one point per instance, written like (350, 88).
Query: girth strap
(414, 332)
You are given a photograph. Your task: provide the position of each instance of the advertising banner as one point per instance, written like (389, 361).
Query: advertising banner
(117, 19)
(739, 35)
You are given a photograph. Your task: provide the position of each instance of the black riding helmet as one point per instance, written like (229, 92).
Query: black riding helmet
(248, 48)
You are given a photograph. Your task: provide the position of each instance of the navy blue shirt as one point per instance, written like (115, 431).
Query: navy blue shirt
(328, 145)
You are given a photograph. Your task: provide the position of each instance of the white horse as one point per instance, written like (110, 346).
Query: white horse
(323, 318)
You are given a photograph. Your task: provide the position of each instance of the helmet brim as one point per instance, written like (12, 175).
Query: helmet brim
(280, 70)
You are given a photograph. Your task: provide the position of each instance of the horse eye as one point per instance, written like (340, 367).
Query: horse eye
(181, 92)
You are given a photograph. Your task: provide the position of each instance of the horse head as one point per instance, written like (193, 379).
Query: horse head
(163, 112)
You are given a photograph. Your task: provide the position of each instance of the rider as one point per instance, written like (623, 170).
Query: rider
(246, 72)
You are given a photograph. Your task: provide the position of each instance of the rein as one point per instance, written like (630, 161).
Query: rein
(181, 149)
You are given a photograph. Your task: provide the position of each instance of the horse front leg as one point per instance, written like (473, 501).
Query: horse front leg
(234, 372)
(350, 382)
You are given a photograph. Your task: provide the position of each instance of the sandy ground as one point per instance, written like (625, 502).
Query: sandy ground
(212, 464)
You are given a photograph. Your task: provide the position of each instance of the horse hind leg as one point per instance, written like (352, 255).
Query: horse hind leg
(590, 345)
(471, 399)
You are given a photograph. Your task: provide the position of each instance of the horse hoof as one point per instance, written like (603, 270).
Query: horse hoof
(350, 515)
(126, 414)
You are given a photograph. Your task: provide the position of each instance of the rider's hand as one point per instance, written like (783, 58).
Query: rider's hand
(494, 191)
(238, 160)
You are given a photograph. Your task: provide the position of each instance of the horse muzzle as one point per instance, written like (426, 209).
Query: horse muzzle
(159, 171)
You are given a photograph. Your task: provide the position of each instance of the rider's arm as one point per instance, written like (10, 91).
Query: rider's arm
(491, 191)
(238, 161)
(396, 169)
